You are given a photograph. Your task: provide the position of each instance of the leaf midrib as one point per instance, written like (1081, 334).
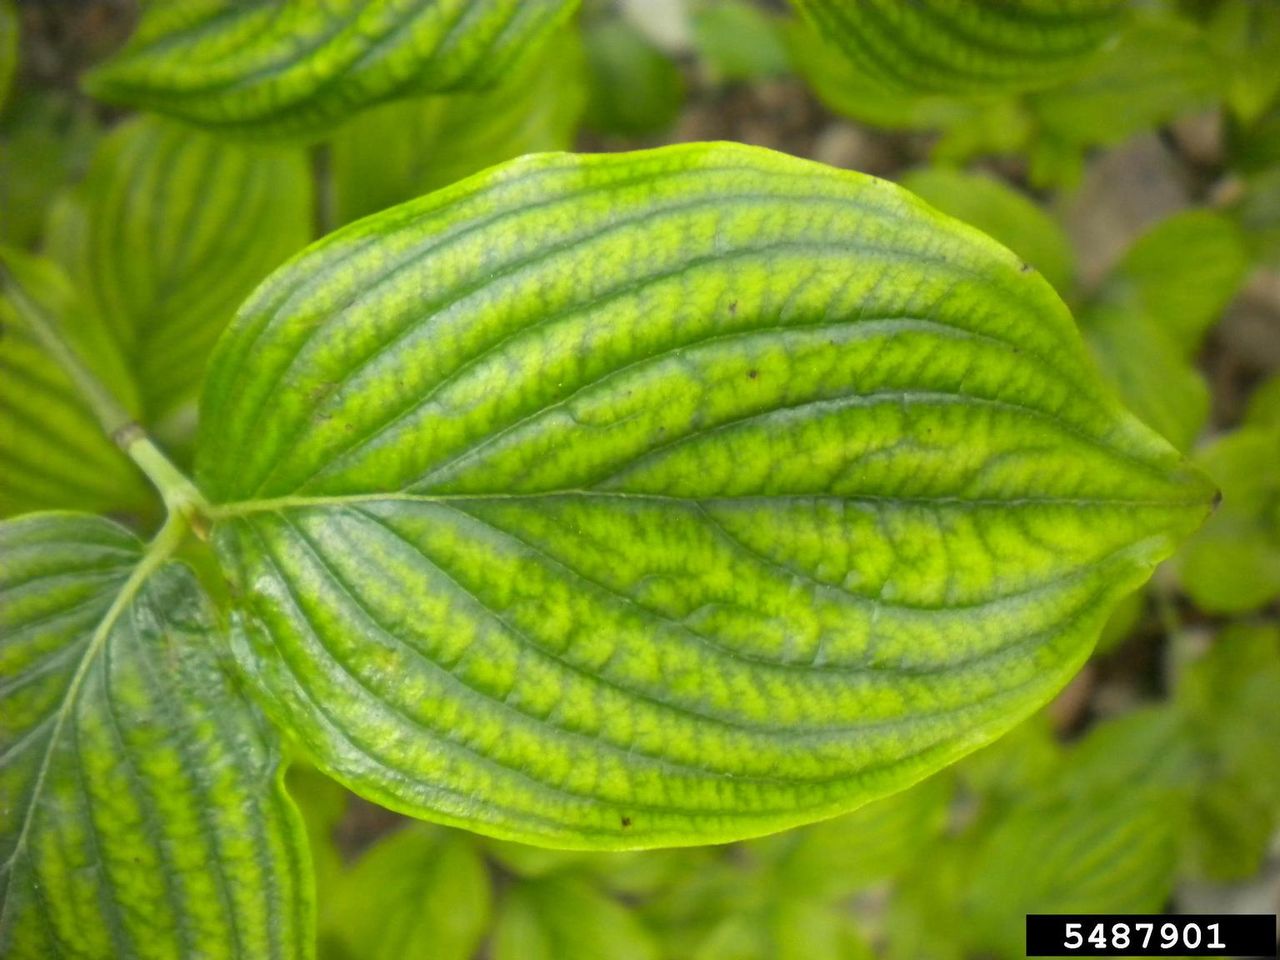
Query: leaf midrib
(243, 508)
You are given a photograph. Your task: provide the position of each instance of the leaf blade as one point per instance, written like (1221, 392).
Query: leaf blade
(294, 69)
(941, 48)
(135, 770)
(623, 501)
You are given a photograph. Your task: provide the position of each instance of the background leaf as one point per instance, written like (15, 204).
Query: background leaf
(635, 89)
(874, 843)
(297, 68)
(942, 47)
(1229, 698)
(1159, 67)
(1233, 565)
(1182, 273)
(55, 453)
(144, 810)
(737, 41)
(167, 234)
(565, 919)
(1148, 370)
(546, 486)
(401, 150)
(1148, 318)
(1115, 853)
(419, 892)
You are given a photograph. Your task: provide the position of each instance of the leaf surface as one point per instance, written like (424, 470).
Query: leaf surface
(144, 815)
(167, 234)
(937, 46)
(269, 68)
(668, 497)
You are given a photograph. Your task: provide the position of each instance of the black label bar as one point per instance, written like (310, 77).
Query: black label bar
(1151, 935)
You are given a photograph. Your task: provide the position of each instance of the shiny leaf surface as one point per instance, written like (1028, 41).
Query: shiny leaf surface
(143, 813)
(273, 68)
(669, 497)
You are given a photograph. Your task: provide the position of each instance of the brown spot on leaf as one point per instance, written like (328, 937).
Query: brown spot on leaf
(752, 374)
(626, 821)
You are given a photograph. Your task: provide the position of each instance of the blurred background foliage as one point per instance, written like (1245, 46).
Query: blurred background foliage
(1140, 175)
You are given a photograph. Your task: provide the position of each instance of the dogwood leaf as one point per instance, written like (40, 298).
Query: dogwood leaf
(167, 234)
(274, 68)
(667, 497)
(935, 46)
(143, 811)
(55, 453)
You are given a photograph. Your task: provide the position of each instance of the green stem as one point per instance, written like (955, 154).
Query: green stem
(180, 495)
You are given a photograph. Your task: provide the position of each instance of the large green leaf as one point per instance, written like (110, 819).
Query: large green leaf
(284, 67)
(143, 810)
(54, 451)
(667, 497)
(167, 234)
(404, 149)
(940, 46)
